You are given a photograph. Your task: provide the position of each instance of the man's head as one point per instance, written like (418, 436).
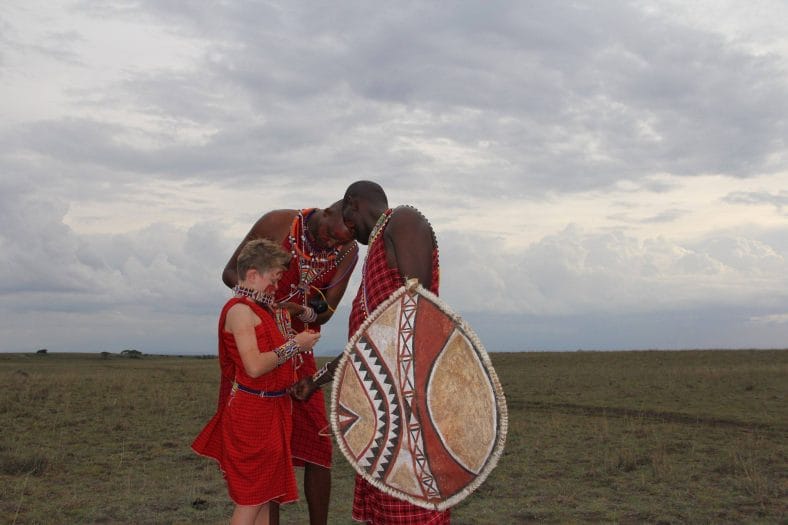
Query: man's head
(362, 205)
(331, 229)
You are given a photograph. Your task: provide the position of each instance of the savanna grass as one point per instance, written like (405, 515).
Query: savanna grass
(616, 437)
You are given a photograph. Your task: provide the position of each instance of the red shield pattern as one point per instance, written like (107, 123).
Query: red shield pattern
(416, 407)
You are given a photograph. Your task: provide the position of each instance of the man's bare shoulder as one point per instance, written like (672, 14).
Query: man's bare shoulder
(273, 222)
(407, 217)
(279, 215)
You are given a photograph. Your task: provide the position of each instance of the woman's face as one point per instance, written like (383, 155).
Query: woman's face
(269, 279)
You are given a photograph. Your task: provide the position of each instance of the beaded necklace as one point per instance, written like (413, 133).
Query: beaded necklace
(312, 263)
(373, 235)
(262, 298)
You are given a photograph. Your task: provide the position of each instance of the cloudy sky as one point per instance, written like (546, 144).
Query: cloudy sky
(601, 175)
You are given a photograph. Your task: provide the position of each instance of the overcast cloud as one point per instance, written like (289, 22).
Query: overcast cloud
(600, 176)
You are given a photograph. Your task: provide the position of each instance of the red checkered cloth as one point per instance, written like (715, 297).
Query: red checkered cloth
(249, 436)
(370, 505)
(310, 441)
(378, 282)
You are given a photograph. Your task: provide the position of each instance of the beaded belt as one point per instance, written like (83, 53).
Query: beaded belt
(259, 393)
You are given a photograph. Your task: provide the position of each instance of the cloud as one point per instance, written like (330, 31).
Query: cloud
(779, 319)
(754, 198)
(550, 97)
(579, 161)
(51, 275)
(576, 270)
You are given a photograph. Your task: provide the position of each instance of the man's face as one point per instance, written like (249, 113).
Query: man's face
(350, 216)
(332, 232)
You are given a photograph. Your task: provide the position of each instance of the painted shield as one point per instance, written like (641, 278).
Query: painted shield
(416, 407)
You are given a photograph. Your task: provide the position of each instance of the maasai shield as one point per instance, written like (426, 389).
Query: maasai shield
(416, 407)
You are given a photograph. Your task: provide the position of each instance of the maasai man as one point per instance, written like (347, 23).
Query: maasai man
(401, 245)
(323, 257)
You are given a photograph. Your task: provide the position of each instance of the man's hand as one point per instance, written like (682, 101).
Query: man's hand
(294, 309)
(303, 389)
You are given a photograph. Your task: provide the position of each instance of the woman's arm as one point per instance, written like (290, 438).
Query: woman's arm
(241, 322)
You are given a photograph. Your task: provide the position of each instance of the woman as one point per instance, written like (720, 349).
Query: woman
(250, 434)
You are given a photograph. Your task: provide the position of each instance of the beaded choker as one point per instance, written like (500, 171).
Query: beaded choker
(300, 245)
(311, 262)
(258, 297)
(384, 218)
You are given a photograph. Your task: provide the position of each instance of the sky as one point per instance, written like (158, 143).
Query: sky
(600, 175)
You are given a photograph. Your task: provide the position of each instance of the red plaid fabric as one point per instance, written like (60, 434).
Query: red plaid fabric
(310, 443)
(292, 276)
(371, 505)
(379, 281)
(249, 436)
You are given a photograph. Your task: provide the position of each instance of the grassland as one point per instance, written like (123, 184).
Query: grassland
(616, 437)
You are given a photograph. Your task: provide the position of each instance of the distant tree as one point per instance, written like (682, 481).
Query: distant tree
(105, 355)
(131, 353)
(42, 351)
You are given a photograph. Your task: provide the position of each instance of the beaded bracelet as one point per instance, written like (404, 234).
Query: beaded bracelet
(320, 373)
(286, 351)
(308, 315)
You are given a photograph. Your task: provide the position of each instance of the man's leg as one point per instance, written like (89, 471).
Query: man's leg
(317, 488)
(273, 514)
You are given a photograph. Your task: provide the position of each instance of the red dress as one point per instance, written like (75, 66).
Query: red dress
(378, 282)
(249, 435)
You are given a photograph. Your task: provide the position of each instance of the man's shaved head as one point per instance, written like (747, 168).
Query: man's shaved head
(368, 191)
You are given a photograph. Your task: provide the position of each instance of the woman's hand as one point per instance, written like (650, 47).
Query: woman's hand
(306, 340)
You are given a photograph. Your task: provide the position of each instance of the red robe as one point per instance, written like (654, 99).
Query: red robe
(310, 442)
(377, 284)
(249, 436)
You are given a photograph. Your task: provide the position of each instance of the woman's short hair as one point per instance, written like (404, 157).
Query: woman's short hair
(262, 255)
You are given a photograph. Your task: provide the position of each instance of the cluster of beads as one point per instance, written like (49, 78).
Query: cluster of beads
(258, 297)
(308, 315)
(384, 218)
(303, 249)
(320, 374)
(286, 351)
(312, 263)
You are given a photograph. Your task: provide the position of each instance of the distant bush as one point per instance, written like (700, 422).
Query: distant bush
(105, 355)
(131, 354)
(42, 351)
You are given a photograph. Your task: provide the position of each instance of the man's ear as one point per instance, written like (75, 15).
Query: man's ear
(350, 202)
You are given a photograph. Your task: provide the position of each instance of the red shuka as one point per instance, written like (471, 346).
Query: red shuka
(310, 442)
(378, 282)
(249, 436)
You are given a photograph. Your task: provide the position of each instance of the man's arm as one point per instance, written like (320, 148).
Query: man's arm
(274, 225)
(337, 287)
(409, 245)
(306, 386)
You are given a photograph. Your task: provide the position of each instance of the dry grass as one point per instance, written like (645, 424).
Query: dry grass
(627, 437)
